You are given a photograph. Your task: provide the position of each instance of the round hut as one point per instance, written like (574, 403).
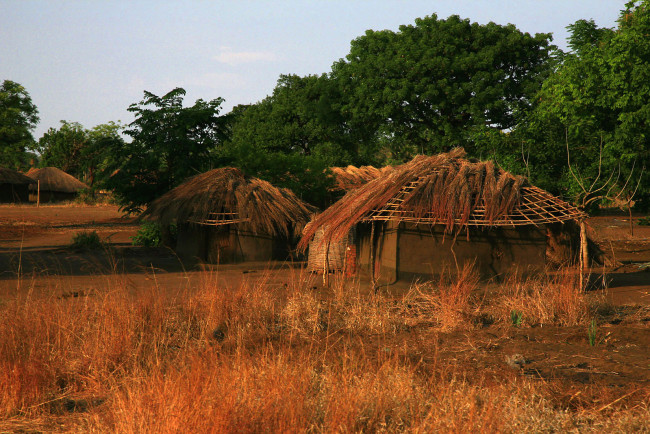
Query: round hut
(14, 186)
(225, 216)
(436, 213)
(53, 185)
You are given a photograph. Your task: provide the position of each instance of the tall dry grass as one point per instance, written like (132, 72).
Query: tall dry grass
(261, 357)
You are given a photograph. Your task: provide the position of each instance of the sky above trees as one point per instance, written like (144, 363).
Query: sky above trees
(87, 62)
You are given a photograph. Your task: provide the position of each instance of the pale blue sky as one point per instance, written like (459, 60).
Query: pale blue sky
(87, 61)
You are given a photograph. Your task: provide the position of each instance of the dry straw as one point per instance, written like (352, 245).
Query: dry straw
(8, 176)
(53, 179)
(226, 196)
(445, 189)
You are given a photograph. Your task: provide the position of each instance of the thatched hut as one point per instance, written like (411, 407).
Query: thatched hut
(224, 216)
(14, 186)
(54, 185)
(436, 213)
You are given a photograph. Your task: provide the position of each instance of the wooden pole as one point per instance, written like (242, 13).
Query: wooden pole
(372, 256)
(584, 254)
(629, 207)
(38, 193)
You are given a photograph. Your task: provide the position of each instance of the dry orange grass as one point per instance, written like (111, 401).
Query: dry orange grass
(261, 358)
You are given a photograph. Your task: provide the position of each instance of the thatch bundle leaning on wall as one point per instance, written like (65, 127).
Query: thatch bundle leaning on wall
(409, 220)
(225, 216)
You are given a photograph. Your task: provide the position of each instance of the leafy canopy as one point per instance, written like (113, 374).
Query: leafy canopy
(597, 104)
(169, 144)
(433, 85)
(18, 118)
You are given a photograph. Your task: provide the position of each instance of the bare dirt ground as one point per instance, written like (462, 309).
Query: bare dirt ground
(35, 253)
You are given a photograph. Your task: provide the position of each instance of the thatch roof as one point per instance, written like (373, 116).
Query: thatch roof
(8, 176)
(227, 196)
(348, 178)
(53, 179)
(443, 189)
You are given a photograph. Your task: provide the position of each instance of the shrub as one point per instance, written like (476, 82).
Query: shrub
(150, 235)
(644, 221)
(86, 240)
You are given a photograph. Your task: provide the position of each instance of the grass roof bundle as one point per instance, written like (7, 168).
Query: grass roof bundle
(348, 178)
(445, 189)
(226, 195)
(8, 176)
(53, 179)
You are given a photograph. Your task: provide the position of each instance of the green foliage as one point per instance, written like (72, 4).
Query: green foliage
(18, 118)
(62, 148)
(597, 104)
(516, 318)
(85, 154)
(169, 144)
(644, 221)
(150, 235)
(86, 240)
(433, 85)
(592, 333)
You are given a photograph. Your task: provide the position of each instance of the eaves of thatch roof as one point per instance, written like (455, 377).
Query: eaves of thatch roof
(227, 196)
(444, 189)
(54, 179)
(8, 176)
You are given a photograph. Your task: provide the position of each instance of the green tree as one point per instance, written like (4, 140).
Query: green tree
(63, 148)
(596, 109)
(169, 144)
(291, 137)
(18, 118)
(437, 84)
(300, 117)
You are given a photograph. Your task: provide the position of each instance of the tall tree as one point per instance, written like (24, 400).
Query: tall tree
(18, 118)
(63, 147)
(594, 111)
(300, 117)
(169, 144)
(434, 85)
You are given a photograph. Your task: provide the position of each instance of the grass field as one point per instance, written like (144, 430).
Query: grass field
(273, 351)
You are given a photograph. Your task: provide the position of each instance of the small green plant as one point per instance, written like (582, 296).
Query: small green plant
(592, 333)
(516, 317)
(150, 235)
(87, 240)
(644, 221)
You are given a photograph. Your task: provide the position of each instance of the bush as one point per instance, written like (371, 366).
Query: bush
(86, 240)
(644, 221)
(150, 235)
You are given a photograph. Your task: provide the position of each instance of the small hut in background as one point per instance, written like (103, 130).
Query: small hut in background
(14, 186)
(439, 212)
(54, 185)
(224, 216)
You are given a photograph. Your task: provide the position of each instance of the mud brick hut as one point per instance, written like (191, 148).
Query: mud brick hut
(223, 216)
(14, 186)
(439, 212)
(53, 185)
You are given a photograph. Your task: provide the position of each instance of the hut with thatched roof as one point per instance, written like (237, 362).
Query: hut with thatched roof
(53, 185)
(225, 216)
(14, 186)
(436, 213)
